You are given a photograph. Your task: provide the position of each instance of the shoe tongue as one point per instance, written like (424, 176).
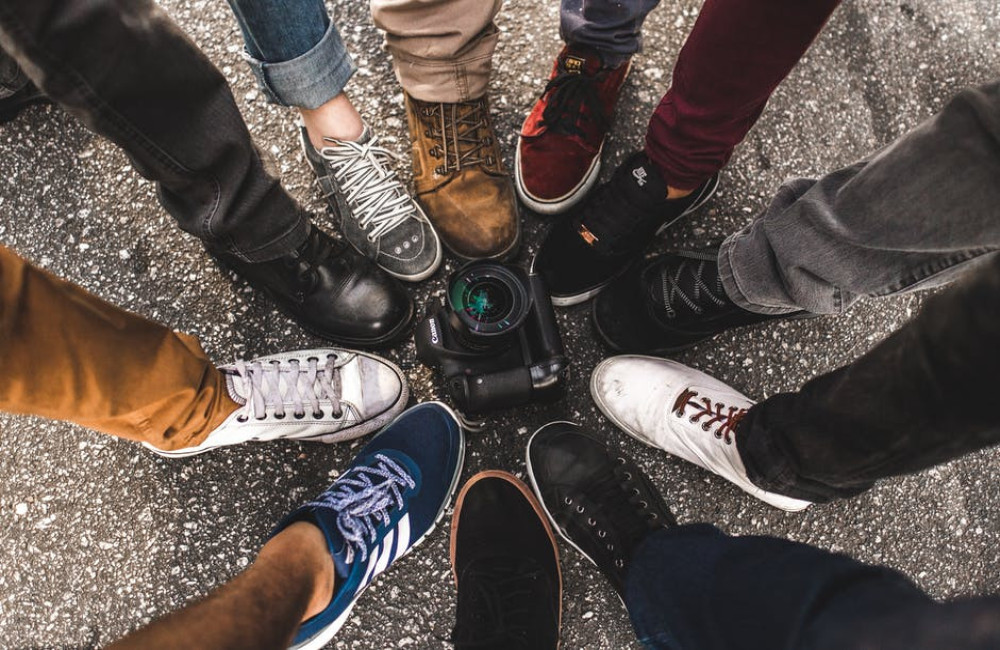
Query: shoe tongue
(326, 521)
(234, 389)
(637, 193)
(578, 61)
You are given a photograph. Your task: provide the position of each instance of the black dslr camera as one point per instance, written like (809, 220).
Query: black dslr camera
(495, 341)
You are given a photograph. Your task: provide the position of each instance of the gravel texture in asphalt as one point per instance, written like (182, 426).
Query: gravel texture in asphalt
(100, 536)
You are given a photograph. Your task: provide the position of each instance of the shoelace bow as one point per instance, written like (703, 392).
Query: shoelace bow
(502, 590)
(672, 291)
(262, 387)
(362, 504)
(725, 418)
(574, 97)
(626, 512)
(316, 251)
(456, 132)
(373, 191)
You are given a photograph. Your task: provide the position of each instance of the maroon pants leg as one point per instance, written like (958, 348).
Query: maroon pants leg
(734, 58)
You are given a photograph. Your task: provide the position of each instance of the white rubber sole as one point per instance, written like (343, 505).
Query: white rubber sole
(326, 634)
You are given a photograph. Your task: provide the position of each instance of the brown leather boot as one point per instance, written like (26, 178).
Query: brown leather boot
(460, 180)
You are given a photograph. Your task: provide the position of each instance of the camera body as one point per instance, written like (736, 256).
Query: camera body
(495, 341)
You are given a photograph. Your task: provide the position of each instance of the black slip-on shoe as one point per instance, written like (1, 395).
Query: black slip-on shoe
(584, 253)
(506, 568)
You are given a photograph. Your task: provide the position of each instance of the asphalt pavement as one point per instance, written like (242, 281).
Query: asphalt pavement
(100, 536)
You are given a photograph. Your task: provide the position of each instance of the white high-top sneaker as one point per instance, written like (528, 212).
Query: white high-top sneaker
(681, 411)
(328, 395)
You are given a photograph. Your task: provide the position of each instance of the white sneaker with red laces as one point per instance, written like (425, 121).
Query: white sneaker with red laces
(681, 411)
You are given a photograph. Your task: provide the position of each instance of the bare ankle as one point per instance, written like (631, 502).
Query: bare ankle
(674, 193)
(307, 544)
(336, 119)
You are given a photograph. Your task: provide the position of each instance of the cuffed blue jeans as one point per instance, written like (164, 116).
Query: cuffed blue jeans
(694, 588)
(294, 50)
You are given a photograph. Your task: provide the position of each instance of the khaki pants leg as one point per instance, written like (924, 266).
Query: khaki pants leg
(442, 50)
(68, 355)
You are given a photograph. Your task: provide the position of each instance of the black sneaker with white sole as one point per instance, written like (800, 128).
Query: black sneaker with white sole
(607, 232)
(375, 212)
(598, 500)
(670, 303)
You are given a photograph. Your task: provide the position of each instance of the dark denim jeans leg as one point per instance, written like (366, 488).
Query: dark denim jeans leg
(694, 588)
(612, 28)
(132, 76)
(924, 395)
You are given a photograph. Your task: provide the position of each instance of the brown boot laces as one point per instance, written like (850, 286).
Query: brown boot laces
(456, 131)
(726, 421)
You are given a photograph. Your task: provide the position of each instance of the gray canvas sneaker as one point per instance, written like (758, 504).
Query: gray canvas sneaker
(326, 395)
(376, 213)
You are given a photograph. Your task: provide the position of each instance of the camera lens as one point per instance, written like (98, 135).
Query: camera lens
(489, 301)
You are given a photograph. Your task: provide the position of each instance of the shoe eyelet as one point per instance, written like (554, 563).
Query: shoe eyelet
(643, 505)
(717, 434)
(568, 501)
(580, 509)
(602, 534)
(278, 416)
(693, 418)
(653, 516)
(439, 171)
(619, 564)
(319, 415)
(592, 522)
(628, 476)
(316, 359)
(621, 461)
(241, 418)
(338, 414)
(299, 416)
(635, 492)
(332, 357)
(611, 548)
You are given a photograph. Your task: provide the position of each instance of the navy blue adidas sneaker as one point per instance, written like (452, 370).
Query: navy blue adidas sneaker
(388, 500)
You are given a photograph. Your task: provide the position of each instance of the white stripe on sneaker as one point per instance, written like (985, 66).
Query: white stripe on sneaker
(403, 543)
(385, 555)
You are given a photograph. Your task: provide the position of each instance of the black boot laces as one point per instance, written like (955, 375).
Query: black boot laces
(501, 595)
(688, 285)
(461, 132)
(571, 92)
(315, 252)
(625, 515)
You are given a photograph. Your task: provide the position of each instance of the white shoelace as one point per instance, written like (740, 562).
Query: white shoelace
(376, 196)
(361, 503)
(262, 387)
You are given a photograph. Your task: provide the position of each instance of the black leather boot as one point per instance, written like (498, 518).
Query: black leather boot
(332, 291)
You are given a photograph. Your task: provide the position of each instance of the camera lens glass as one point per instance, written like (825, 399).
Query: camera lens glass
(488, 299)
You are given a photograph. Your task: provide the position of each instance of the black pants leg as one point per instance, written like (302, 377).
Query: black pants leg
(132, 76)
(693, 588)
(925, 395)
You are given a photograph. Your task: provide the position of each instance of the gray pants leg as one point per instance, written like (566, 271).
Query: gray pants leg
(914, 215)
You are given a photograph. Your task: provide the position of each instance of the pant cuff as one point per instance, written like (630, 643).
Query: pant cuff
(310, 80)
(732, 284)
(448, 81)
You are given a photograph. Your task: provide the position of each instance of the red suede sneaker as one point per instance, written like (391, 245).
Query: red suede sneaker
(559, 151)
